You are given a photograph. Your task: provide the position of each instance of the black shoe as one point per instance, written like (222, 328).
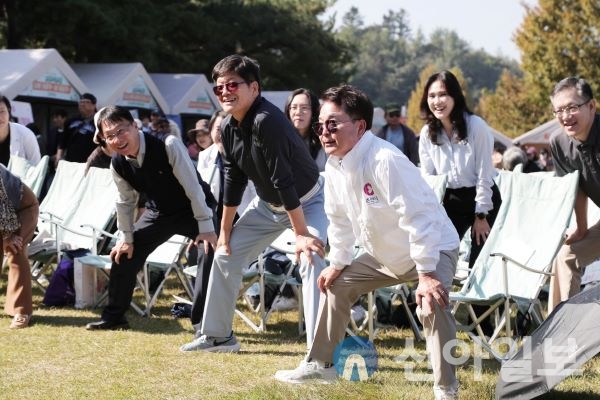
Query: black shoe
(107, 325)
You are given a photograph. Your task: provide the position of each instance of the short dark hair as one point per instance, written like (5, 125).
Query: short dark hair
(4, 99)
(246, 67)
(352, 100)
(60, 112)
(89, 96)
(499, 147)
(583, 89)
(213, 118)
(112, 114)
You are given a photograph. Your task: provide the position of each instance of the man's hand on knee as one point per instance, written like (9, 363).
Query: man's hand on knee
(120, 249)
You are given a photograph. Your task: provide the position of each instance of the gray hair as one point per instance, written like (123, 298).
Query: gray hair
(512, 157)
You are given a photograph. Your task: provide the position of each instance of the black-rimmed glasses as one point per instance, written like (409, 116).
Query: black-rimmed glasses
(120, 131)
(570, 109)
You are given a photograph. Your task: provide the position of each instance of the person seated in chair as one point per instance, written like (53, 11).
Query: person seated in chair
(178, 202)
(376, 198)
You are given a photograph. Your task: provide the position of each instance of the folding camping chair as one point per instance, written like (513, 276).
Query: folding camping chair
(85, 224)
(515, 261)
(400, 292)
(166, 258)
(31, 175)
(62, 197)
(91, 211)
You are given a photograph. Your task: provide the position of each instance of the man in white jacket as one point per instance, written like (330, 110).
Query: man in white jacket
(376, 198)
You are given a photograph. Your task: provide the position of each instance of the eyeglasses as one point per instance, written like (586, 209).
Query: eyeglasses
(120, 131)
(300, 109)
(231, 87)
(330, 124)
(394, 114)
(570, 110)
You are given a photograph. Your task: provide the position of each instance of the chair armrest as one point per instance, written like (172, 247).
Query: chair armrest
(518, 264)
(102, 231)
(49, 217)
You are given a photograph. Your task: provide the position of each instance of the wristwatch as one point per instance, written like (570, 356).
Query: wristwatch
(481, 215)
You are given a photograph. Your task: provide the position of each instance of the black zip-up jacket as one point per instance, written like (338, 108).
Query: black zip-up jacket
(266, 148)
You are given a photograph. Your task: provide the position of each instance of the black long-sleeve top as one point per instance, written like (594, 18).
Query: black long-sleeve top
(265, 148)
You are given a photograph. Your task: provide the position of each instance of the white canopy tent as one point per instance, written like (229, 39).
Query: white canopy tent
(539, 135)
(39, 73)
(42, 81)
(123, 84)
(277, 97)
(187, 93)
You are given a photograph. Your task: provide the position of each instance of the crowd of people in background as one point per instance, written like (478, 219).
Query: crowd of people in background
(235, 181)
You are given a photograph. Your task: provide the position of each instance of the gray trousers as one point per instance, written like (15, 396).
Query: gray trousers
(253, 232)
(569, 264)
(366, 274)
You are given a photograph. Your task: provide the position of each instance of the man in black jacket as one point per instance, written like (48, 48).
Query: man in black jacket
(260, 144)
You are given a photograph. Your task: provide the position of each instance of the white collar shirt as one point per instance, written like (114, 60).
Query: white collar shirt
(467, 163)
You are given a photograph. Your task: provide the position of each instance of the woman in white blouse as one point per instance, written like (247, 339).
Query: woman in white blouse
(16, 139)
(459, 144)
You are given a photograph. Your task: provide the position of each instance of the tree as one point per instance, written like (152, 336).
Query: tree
(413, 109)
(558, 38)
(509, 109)
(293, 46)
(380, 53)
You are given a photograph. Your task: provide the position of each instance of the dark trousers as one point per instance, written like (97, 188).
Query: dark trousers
(460, 207)
(201, 286)
(150, 231)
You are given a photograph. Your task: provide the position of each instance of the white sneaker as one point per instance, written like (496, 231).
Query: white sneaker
(284, 304)
(446, 392)
(358, 313)
(213, 344)
(309, 371)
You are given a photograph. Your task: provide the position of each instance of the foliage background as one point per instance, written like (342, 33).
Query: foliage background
(298, 47)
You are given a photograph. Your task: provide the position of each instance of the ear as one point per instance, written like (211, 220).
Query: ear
(362, 126)
(255, 87)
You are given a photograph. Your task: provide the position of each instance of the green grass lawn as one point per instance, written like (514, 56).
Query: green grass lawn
(56, 358)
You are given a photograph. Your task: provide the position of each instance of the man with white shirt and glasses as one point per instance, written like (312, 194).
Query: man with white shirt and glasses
(576, 148)
(376, 198)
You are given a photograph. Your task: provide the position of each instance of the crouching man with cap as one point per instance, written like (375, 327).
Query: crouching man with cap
(376, 198)
(178, 202)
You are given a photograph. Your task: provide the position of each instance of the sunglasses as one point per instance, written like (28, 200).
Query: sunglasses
(394, 114)
(330, 124)
(231, 87)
